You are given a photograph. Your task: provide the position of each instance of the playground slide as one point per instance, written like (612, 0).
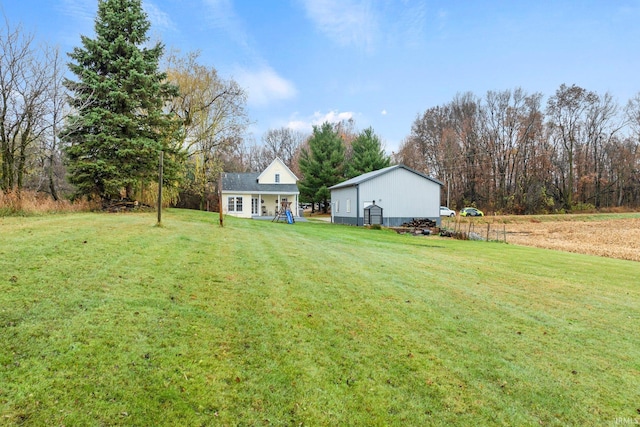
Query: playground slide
(289, 217)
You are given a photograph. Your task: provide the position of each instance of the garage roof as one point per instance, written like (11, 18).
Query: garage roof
(371, 175)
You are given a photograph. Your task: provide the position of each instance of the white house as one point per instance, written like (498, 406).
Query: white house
(397, 192)
(252, 195)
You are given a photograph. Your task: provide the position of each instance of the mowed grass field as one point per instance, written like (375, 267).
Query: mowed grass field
(106, 319)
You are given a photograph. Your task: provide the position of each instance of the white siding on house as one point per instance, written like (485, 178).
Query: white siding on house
(277, 167)
(261, 194)
(245, 204)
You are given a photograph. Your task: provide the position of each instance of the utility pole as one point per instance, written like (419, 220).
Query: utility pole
(220, 199)
(160, 170)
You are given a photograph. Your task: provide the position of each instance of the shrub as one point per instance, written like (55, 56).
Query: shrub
(583, 207)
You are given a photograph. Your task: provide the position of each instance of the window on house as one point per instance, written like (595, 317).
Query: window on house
(277, 178)
(348, 205)
(234, 204)
(337, 206)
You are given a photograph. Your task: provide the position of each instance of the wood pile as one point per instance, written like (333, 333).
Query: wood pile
(124, 206)
(420, 223)
(417, 227)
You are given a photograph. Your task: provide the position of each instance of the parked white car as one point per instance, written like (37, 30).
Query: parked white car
(445, 211)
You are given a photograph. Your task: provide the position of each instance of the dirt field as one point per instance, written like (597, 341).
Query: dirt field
(614, 237)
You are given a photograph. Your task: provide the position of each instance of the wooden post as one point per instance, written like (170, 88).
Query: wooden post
(488, 228)
(160, 170)
(220, 200)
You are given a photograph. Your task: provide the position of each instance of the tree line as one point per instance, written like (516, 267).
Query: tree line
(509, 153)
(98, 134)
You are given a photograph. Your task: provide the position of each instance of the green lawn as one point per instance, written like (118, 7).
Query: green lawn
(106, 319)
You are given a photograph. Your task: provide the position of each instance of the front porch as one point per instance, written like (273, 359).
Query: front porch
(267, 206)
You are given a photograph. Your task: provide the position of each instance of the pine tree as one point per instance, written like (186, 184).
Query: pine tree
(322, 165)
(119, 127)
(368, 154)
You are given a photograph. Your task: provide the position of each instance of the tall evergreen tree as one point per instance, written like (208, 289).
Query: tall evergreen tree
(322, 164)
(368, 154)
(119, 126)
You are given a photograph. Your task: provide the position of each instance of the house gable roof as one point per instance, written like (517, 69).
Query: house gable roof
(255, 182)
(276, 165)
(374, 174)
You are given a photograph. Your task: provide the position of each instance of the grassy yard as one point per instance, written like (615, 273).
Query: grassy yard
(106, 319)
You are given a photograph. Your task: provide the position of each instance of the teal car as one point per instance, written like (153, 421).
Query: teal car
(471, 212)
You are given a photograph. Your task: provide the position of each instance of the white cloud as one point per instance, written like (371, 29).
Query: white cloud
(410, 25)
(221, 15)
(317, 119)
(79, 10)
(299, 125)
(158, 18)
(371, 24)
(265, 85)
(331, 117)
(383, 112)
(84, 14)
(346, 22)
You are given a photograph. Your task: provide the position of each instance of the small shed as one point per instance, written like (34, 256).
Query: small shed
(373, 214)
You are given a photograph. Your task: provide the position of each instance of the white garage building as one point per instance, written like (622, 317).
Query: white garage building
(398, 193)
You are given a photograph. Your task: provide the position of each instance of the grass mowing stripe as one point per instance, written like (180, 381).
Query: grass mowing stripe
(262, 322)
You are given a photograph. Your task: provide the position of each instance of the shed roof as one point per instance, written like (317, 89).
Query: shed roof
(248, 183)
(374, 174)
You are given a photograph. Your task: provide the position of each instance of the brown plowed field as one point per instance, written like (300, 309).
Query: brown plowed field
(613, 237)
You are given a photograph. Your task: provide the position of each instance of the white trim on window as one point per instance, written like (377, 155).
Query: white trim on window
(234, 204)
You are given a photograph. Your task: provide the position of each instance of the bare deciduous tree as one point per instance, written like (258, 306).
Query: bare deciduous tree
(566, 111)
(506, 154)
(283, 143)
(25, 79)
(509, 121)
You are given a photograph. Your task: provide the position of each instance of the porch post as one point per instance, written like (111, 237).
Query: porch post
(259, 204)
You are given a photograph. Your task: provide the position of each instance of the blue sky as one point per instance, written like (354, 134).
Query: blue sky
(380, 62)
